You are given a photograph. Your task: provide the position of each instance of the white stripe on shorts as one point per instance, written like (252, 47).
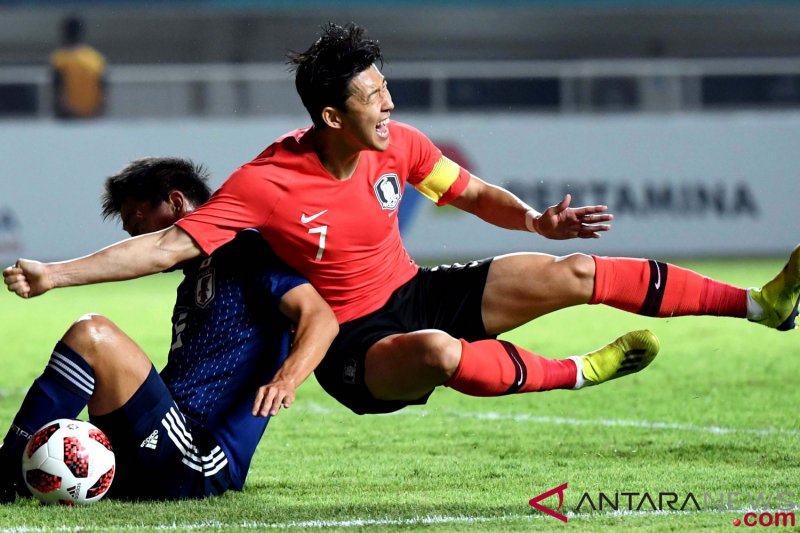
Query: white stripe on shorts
(176, 430)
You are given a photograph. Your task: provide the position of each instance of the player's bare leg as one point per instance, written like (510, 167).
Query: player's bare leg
(522, 287)
(525, 286)
(408, 366)
(120, 366)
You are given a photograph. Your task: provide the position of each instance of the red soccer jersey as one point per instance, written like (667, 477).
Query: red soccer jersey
(342, 235)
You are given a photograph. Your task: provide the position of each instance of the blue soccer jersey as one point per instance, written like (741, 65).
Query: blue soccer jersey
(228, 339)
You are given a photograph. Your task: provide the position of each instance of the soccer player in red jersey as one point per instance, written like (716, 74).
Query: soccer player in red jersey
(326, 197)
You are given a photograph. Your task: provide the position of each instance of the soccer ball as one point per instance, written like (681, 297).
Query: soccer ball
(68, 461)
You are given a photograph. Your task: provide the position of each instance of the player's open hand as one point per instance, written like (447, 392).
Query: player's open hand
(271, 397)
(564, 222)
(27, 278)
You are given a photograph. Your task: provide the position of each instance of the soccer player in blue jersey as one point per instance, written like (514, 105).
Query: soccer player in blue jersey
(231, 365)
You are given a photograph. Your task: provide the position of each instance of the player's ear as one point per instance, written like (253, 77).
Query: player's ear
(332, 117)
(177, 202)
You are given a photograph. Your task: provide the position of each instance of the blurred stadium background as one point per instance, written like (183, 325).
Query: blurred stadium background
(681, 115)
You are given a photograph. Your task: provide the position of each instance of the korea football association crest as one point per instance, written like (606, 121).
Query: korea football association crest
(387, 190)
(204, 290)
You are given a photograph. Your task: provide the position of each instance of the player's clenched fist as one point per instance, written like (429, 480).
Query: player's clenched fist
(27, 278)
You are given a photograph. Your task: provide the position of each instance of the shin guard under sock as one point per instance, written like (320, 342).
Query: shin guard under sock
(653, 288)
(62, 391)
(496, 368)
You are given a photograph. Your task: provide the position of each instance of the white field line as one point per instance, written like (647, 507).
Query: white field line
(309, 524)
(363, 522)
(546, 420)
(564, 421)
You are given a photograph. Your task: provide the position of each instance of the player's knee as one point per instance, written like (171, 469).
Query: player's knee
(442, 355)
(578, 271)
(580, 266)
(90, 334)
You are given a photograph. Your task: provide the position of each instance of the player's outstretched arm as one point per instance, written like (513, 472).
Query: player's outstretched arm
(128, 259)
(316, 326)
(501, 208)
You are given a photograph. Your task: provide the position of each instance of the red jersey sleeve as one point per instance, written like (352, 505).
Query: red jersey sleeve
(431, 173)
(243, 201)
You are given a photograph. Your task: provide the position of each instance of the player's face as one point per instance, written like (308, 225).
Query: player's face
(140, 216)
(368, 107)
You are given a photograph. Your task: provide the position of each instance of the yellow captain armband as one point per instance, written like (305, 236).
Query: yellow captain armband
(437, 183)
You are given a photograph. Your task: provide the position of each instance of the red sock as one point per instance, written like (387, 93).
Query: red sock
(495, 368)
(653, 288)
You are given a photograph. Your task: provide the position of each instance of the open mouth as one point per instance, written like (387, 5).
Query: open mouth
(382, 128)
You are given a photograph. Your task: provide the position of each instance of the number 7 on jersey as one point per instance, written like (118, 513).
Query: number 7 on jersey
(322, 230)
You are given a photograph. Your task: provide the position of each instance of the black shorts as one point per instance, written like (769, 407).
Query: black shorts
(447, 298)
(159, 454)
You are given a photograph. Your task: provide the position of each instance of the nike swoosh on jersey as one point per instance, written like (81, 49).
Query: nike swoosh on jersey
(305, 219)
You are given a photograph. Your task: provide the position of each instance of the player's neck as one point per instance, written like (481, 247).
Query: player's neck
(339, 159)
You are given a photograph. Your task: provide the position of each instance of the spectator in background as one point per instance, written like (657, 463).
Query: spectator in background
(79, 85)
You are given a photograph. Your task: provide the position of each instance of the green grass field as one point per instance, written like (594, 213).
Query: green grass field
(716, 415)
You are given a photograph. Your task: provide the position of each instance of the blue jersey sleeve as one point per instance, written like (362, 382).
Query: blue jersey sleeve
(270, 273)
(278, 281)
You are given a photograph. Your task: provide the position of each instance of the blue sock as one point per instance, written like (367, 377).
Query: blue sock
(62, 391)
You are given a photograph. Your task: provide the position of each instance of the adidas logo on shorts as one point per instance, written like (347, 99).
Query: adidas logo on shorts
(151, 441)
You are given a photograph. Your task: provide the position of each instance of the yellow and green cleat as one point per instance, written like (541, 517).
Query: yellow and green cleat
(779, 298)
(626, 355)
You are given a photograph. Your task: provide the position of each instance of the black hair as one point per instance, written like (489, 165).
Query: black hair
(323, 72)
(72, 30)
(152, 179)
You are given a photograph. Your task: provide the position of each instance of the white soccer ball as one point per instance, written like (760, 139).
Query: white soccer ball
(68, 461)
